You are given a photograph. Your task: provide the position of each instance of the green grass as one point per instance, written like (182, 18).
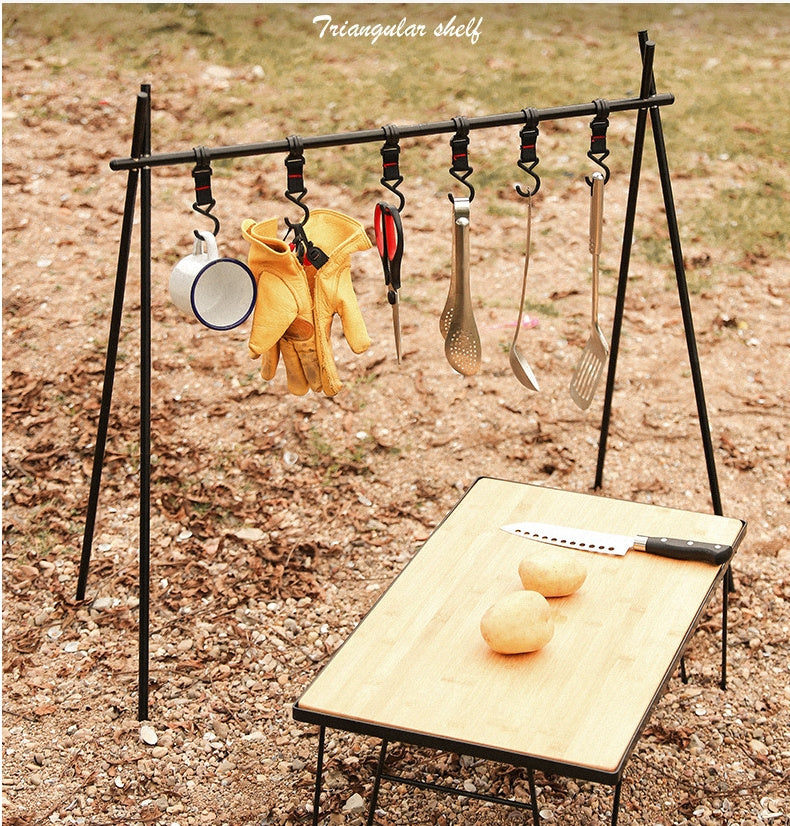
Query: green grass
(724, 63)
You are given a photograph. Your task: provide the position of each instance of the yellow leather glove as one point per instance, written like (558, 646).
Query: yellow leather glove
(283, 308)
(338, 236)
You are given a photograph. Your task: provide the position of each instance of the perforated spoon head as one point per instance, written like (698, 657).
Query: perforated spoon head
(462, 347)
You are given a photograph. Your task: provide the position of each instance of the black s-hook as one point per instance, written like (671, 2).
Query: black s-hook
(204, 201)
(460, 146)
(598, 151)
(391, 178)
(529, 153)
(295, 192)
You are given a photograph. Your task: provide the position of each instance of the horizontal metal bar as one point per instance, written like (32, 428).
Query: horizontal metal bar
(374, 135)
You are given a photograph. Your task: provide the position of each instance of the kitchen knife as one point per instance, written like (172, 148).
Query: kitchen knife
(614, 543)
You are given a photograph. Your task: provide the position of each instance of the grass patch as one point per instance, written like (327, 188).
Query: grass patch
(721, 62)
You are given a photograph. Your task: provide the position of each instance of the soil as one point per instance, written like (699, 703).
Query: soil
(278, 520)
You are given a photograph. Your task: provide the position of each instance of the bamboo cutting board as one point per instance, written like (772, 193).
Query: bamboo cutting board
(418, 664)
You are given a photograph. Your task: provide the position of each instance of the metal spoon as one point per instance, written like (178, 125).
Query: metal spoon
(462, 344)
(519, 365)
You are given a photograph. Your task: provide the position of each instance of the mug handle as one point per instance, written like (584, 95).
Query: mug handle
(211, 244)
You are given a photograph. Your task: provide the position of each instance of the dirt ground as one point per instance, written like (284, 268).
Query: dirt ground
(278, 520)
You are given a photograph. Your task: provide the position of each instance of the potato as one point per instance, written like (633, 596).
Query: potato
(518, 622)
(553, 572)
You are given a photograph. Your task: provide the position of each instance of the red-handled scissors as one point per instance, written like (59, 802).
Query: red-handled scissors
(389, 240)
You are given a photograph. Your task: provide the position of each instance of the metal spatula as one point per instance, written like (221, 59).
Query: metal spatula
(593, 358)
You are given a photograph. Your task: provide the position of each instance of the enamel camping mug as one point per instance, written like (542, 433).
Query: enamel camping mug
(219, 292)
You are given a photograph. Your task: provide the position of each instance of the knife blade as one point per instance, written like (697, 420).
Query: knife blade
(619, 544)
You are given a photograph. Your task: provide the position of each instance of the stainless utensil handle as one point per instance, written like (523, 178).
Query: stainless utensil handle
(526, 269)
(461, 245)
(596, 233)
(596, 213)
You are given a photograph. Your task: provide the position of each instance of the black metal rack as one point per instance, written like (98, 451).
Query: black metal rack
(139, 165)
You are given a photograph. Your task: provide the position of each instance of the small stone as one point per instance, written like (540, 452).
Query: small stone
(220, 729)
(758, 747)
(158, 752)
(469, 786)
(250, 534)
(101, 603)
(355, 804)
(148, 735)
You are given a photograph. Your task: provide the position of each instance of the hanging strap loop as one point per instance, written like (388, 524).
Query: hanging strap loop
(294, 163)
(598, 126)
(460, 145)
(390, 153)
(529, 150)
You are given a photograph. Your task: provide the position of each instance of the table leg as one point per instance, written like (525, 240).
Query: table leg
(533, 797)
(616, 802)
(374, 797)
(725, 597)
(319, 773)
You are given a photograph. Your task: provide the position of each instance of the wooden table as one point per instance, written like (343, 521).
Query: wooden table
(417, 670)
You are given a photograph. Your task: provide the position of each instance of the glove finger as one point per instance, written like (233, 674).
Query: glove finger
(269, 363)
(297, 381)
(310, 360)
(351, 318)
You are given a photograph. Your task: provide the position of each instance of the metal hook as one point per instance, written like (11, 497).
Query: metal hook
(529, 139)
(203, 197)
(215, 220)
(598, 151)
(460, 147)
(296, 190)
(391, 178)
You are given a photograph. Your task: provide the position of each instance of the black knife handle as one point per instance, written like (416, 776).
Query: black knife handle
(687, 549)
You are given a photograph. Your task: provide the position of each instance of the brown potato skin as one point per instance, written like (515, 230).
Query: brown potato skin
(553, 572)
(518, 623)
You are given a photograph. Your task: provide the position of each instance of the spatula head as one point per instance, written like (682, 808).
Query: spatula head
(589, 370)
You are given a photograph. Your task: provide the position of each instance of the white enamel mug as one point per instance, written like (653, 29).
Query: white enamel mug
(219, 292)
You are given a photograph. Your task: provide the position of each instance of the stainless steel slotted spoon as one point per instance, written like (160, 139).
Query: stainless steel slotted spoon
(462, 342)
(593, 358)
